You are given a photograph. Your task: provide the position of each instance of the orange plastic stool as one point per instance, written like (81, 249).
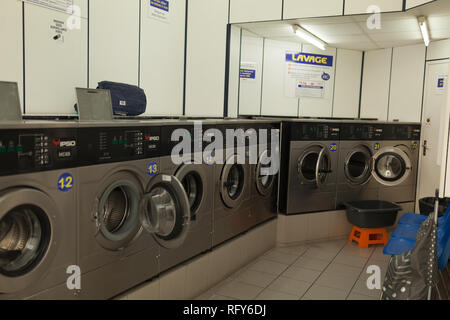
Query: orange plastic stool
(365, 237)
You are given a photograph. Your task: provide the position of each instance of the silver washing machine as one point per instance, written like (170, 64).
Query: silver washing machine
(186, 228)
(309, 166)
(395, 163)
(119, 169)
(357, 147)
(38, 207)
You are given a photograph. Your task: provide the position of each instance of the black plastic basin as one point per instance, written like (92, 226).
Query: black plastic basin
(372, 213)
(426, 205)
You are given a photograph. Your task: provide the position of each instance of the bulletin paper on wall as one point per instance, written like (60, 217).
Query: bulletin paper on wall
(248, 71)
(60, 5)
(159, 10)
(308, 75)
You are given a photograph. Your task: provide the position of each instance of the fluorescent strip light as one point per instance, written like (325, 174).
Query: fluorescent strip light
(424, 29)
(308, 37)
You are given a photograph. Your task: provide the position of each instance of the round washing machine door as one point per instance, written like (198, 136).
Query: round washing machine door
(358, 165)
(263, 179)
(116, 211)
(391, 166)
(165, 211)
(314, 166)
(232, 182)
(193, 178)
(28, 237)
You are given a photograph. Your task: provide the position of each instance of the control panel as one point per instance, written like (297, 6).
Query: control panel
(30, 150)
(315, 131)
(402, 132)
(360, 131)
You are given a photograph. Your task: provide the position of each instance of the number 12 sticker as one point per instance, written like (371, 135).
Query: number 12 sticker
(65, 182)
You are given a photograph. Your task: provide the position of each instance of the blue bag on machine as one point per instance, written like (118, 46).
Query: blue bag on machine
(127, 100)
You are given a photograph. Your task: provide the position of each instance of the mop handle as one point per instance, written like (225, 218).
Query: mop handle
(436, 206)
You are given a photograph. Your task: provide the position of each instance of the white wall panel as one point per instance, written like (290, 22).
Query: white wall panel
(408, 67)
(162, 59)
(360, 6)
(233, 78)
(375, 86)
(11, 54)
(250, 90)
(347, 84)
(274, 101)
(205, 67)
(255, 10)
(414, 3)
(315, 107)
(114, 41)
(294, 9)
(53, 67)
(439, 50)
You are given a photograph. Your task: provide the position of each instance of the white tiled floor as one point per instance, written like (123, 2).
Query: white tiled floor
(331, 270)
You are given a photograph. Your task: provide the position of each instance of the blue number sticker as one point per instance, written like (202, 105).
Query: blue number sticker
(65, 182)
(376, 146)
(152, 168)
(325, 76)
(414, 145)
(333, 147)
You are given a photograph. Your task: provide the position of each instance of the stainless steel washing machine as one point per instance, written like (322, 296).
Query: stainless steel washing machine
(395, 164)
(357, 147)
(118, 184)
(309, 166)
(38, 207)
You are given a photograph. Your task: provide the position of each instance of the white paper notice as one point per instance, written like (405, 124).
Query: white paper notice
(60, 5)
(159, 10)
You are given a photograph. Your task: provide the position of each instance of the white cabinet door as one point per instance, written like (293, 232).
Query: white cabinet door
(414, 3)
(375, 85)
(250, 88)
(233, 76)
(320, 107)
(162, 59)
(114, 41)
(55, 61)
(408, 67)
(294, 9)
(361, 6)
(11, 54)
(205, 66)
(347, 84)
(274, 100)
(255, 10)
(438, 50)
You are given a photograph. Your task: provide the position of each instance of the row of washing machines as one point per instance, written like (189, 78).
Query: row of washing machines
(89, 210)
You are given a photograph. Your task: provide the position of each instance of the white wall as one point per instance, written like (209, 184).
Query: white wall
(233, 77)
(414, 3)
(406, 91)
(205, 66)
(438, 50)
(294, 9)
(11, 55)
(255, 10)
(114, 41)
(360, 6)
(250, 90)
(347, 84)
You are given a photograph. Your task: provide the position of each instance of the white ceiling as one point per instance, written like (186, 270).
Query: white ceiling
(351, 32)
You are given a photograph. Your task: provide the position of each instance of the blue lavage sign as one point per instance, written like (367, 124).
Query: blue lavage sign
(310, 58)
(160, 4)
(247, 74)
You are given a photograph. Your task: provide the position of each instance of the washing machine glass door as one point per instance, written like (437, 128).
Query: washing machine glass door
(28, 238)
(165, 211)
(264, 180)
(358, 165)
(314, 166)
(232, 182)
(193, 179)
(391, 166)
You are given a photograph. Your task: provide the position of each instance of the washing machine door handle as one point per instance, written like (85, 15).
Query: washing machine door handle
(320, 170)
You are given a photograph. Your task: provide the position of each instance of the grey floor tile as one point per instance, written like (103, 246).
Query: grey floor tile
(362, 288)
(268, 294)
(297, 250)
(351, 260)
(317, 292)
(333, 246)
(336, 281)
(344, 270)
(268, 266)
(256, 278)
(320, 254)
(356, 296)
(311, 263)
(290, 286)
(353, 249)
(301, 274)
(281, 257)
(239, 290)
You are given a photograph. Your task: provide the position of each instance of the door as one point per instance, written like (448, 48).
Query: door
(433, 111)
(314, 166)
(358, 165)
(391, 166)
(193, 179)
(232, 182)
(165, 211)
(29, 238)
(264, 181)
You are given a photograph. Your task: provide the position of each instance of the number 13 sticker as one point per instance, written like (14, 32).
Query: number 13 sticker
(65, 182)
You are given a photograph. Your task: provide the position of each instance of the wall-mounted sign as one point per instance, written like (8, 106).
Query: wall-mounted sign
(60, 5)
(248, 71)
(308, 75)
(441, 84)
(159, 10)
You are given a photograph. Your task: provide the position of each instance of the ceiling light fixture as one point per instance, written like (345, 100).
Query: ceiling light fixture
(424, 29)
(308, 37)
